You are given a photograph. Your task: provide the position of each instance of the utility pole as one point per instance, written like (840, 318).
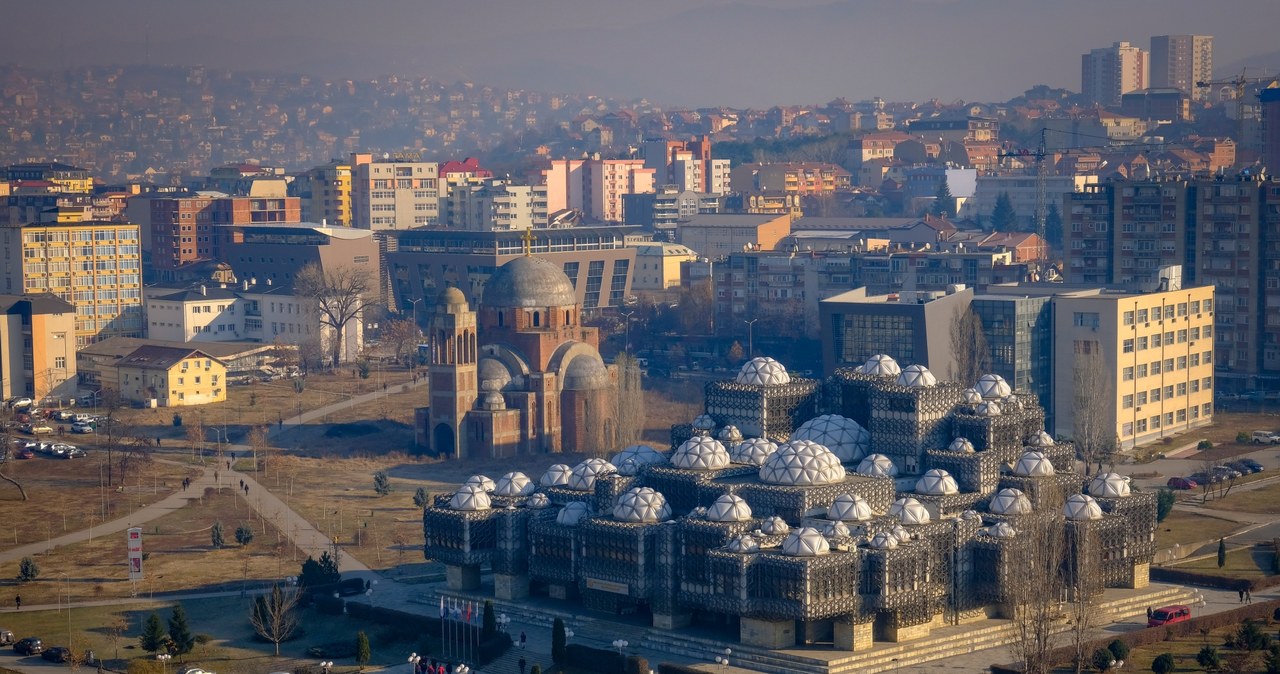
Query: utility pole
(751, 348)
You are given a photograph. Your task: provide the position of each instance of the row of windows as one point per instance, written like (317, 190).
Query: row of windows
(1167, 419)
(1168, 311)
(1155, 395)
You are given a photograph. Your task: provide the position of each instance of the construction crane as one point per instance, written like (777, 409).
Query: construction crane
(1237, 85)
(1039, 154)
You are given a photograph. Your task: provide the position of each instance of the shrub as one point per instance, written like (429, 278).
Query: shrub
(1119, 649)
(215, 535)
(557, 643)
(421, 498)
(244, 534)
(1242, 437)
(490, 623)
(1251, 637)
(1222, 553)
(28, 570)
(363, 653)
(1102, 659)
(1204, 444)
(1163, 664)
(1208, 658)
(381, 483)
(1165, 498)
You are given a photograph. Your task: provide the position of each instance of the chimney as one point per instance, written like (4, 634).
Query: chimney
(204, 290)
(246, 284)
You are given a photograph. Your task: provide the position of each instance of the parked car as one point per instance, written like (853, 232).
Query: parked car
(81, 427)
(57, 654)
(1181, 483)
(25, 453)
(40, 429)
(74, 453)
(17, 403)
(1254, 465)
(1203, 478)
(28, 646)
(60, 449)
(1265, 438)
(1240, 466)
(1166, 615)
(1225, 472)
(6, 637)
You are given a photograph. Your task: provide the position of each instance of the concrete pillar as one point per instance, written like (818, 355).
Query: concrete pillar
(814, 631)
(767, 633)
(1139, 576)
(673, 621)
(898, 634)
(465, 577)
(853, 636)
(510, 587)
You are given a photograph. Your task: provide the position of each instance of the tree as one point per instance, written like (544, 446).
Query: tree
(1165, 500)
(1084, 586)
(1119, 650)
(195, 434)
(1003, 217)
(558, 653)
(421, 498)
(1222, 553)
(316, 573)
(362, 649)
(736, 353)
(489, 626)
(1163, 664)
(244, 534)
(1209, 658)
(274, 617)
(697, 308)
(1102, 659)
(969, 345)
(1033, 590)
(7, 441)
(338, 297)
(630, 401)
(381, 483)
(1251, 637)
(28, 570)
(944, 204)
(215, 535)
(180, 634)
(1093, 428)
(403, 336)
(153, 636)
(116, 629)
(1053, 231)
(261, 447)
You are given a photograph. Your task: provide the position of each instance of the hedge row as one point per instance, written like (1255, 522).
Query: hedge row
(599, 660)
(668, 668)
(1152, 635)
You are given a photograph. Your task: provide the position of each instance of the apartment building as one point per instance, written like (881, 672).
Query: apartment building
(716, 235)
(1022, 192)
(595, 186)
(1108, 73)
(37, 347)
(686, 164)
(325, 194)
(492, 203)
(163, 376)
(181, 230)
(64, 177)
(790, 178)
(393, 192)
(1179, 61)
(658, 265)
(95, 266)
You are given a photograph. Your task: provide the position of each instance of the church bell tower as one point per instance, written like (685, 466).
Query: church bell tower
(453, 386)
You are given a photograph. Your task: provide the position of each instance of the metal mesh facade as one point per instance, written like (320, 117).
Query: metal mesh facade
(771, 412)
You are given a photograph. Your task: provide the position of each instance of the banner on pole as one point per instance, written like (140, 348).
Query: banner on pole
(134, 541)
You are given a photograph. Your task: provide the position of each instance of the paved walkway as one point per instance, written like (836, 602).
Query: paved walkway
(319, 413)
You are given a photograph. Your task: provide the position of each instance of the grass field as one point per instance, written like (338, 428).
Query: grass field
(1264, 499)
(1250, 562)
(1184, 652)
(1181, 528)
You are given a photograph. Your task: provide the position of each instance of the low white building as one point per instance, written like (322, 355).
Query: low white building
(243, 312)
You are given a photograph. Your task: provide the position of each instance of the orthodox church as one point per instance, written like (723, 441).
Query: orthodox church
(519, 375)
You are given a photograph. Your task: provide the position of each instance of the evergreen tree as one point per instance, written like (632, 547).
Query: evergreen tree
(490, 626)
(1163, 664)
(1165, 498)
(315, 573)
(28, 570)
(381, 483)
(363, 654)
(1053, 232)
(180, 632)
(153, 636)
(1003, 217)
(558, 652)
(244, 534)
(944, 204)
(1222, 553)
(215, 535)
(420, 498)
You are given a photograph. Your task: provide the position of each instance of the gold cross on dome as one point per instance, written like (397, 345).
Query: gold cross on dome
(528, 242)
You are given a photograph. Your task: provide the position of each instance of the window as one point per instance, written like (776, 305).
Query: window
(1207, 331)
(1182, 416)
(1195, 359)
(1168, 392)
(1142, 425)
(1208, 357)
(1086, 319)
(1195, 385)
(1142, 315)
(1195, 306)
(181, 380)
(1206, 409)
(60, 362)
(1127, 374)
(1168, 365)
(1128, 318)
(1155, 422)
(1142, 398)
(1208, 306)
(1182, 362)
(1182, 336)
(1182, 389)
(1142, 370)
(1128, 346)
(1155, 395)
(1127, 402)
(1206, 383)
(1126, 428)
(1155, 367)
(1142, 343)
(1155, 340)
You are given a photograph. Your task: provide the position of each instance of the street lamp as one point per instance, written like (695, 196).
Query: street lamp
(626, 315)
(621, 645)
(462, 669)
(414, 659)
(326, 666)
(751, 347)
(164, 659)
(568, 634)
(414, 303)
(503, 622)
(723, 660)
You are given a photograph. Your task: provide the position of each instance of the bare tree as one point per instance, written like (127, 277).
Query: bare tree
(969, 344)
(1092, 388)
(1083, 573)
(630, 400)
(195, 435)
(697, 308)
(261, 448)
(284, 353)
(6, 452)
(133, 449)
(1034, 586)
(402, 335)
(338, 295)
(310, 352)
(274, 617)
(110, 428)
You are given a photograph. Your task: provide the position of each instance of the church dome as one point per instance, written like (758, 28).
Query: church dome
(700, 453)
(802, 463)
(877, 465)
(572, 513)
(752, 451)
(843, 436)
(1010, 502)
(556, 475)
(470, 497)
(640, 454)
(1109, 485)
(937, 482)
(993, 386)
(641, 504)
(526, 283)
(1033, 464)
(916, 376)
(514, 484)
(849, 508)
(907, 510)
(586, 373)
(1081, 507)
(880, 365)
(763, 371)
(452, 301)
(493, 374)
(805, 542)
(729, 508)
(583, 477)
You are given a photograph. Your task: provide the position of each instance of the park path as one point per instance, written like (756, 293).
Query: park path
(318, 414)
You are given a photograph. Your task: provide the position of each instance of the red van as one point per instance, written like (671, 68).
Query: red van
(1169, 614)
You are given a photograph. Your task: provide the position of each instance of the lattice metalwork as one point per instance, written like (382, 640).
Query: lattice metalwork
(459, 537)
(772, 412)
(906, 421)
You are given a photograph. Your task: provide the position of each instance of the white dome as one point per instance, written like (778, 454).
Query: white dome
(802, 463)
(916, 376)
(843, 436)
(640, 454)
(729, 435)
(1042, 439)
(641, 504)
(742, 544)
(1109, 485)
(1033, 464)
(556, 475)
(763, 372)
(752, 451)
(629, 468)
(774, 526)
(537, 501)
(937, 482)
(583, 477)
(571, 513)
(835, 529)
(849, 508)
(1012, 403)
(704, 422)
(805, 542)
(482, 481)
(909, 511)
(1082, 507)
(700, 453)
(971, 396)
(993, 386)
(900, 532)
(1001, 530)
(470, 497)
(1010, 502)
(729, 508)
(883, 540)
(877, 465)
(960, 445)
(989, 408)
(881, 366)
(514, 484)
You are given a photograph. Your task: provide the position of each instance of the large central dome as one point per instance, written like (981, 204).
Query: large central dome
(526, 283)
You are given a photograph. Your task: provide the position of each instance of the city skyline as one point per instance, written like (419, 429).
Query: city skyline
(672, 53)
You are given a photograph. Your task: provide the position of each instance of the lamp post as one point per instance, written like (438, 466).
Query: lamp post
(414, 303)
(723, 660)
(503, 622)
(462, 669)
(164, 659)
(414, 659)
(326, 666)
(568, 634)
(621, 645)
(751, 346)
(626, 315)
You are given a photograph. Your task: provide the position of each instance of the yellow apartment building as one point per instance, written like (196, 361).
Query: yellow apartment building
(658, 265)
(1157, 351)
(37, 347)
(95, 266)
(170, 376)
(329, 199)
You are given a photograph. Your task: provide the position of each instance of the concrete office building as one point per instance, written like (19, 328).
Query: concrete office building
(259, 253)
(857, 325)
(716, 235)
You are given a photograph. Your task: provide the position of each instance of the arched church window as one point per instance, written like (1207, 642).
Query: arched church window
(537, 318)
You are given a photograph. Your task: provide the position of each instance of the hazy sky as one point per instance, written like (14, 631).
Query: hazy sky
(673, 52)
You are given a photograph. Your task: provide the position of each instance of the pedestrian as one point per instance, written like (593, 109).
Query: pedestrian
(280, 420)
(1248, 596)
(157, 441)
(17, 600)
(1149, 612)
(522, 665)
(1241, 596)
(242, 484)
(523, 638)
(246, 490)
(216, 478)
(228, 465)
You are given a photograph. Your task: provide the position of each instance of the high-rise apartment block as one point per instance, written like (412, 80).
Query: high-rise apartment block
(1223, 233)
(96, 266)
(1108, 73)
(1179, 61)
(65, 178)
(494, 204)
(687, 164)
(181, 230)
(325, 192)
(393, 193)
(595, 186)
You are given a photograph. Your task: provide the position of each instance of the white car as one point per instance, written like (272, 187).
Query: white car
(21, 402)
(82, 427)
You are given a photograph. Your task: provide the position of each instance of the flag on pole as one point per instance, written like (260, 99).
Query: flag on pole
(466, 616)
(442, 607)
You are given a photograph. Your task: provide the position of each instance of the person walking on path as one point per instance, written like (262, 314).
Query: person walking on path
(522, 665)
(1241, 596)
(17, 601)
(1248, 596)
(523, 638)
(1149, 612)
